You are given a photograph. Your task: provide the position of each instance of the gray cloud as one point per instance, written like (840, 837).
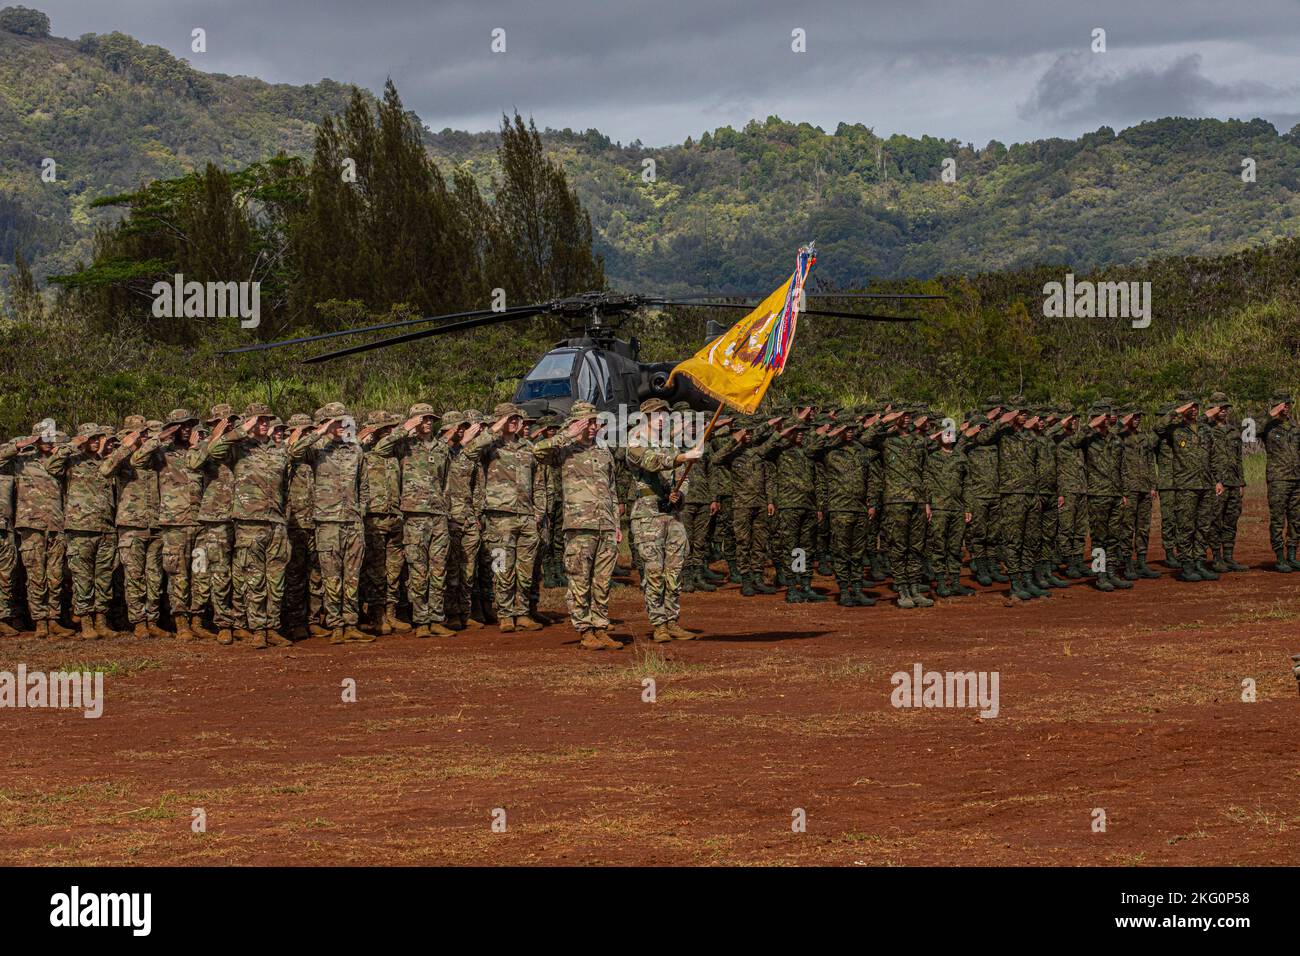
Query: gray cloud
(660, 70)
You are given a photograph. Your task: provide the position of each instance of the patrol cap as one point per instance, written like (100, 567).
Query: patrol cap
(653, 405)
(257, 410)
(181, 416)
(220, 412)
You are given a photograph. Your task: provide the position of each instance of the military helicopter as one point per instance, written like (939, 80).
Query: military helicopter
(593, 364)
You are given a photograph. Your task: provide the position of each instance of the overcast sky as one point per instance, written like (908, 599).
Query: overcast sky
(661, 70)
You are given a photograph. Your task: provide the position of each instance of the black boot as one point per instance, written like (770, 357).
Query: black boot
(981, 569)
(1171, 559)
(1034, 583)
(1290, 558)
(1145, 570)
(845, 597)
(809, 595)
(1018, 589)
(733, 573)
(747, 587)
(1282, 564)
(1219, 566)
(1128, 569)
(942, 588)
(1204, 570)
(995, 572)
(794, 595)
(1232, 564)
(761, 586)
(1117, 579)
(702, 582)
(1049, 575)
(1074, 570)
(1187, 571)
(1102, 583)
(861, 599)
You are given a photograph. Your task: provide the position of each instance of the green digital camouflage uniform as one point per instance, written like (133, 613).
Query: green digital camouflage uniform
(1281, 439)
(947, 476)
(339, 497)
(1228, 472)
(513, 506)
(38, 519)
(590, 520)
(214, 557)
(847, 493)
(1018, 507)
(426, 538)
(903, 459)
(1103, 454)
(1137, 482)
(1192, 453)
(1072, 486)
(88, 509)
(139, 537)
(747, 466)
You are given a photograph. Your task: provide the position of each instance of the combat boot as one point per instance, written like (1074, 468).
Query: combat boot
(824, 566)
(713, 577)
(1018, 589)
(761, 586)
(276, 639)
(319, 630)
(156, 631)
(473, 625)
(42, 630)
(661, 635)
(6, 630)
(183, 632)
(688, 582)
(1204, 571)
(1232, 564)
(809, 595)
(1145, 570)
(959, 589)
(1049, 576)
(680, 633)
(860, 598)
(395, 624)
(747, 588)
(506, 625)
(1171, 560)
(1219, 566)
(258, 641)
(353, 635)
(1128, 570)
(103, 628)
(1032, 587)
(919, 597)
(225, 636)
(845, 597)
(1074, 570)
(199, 631)
(336, 636)
(702, 582)
(942, 588)
(1188, 572)
(88, 630)
(1282, 564)
(733, 573)
(905, 597)
(525, 623)
(794, 594)
(611, 642)
(1118, 580)
(1290, 558)
(592, 643)
(243, 634)
(981, 568)
(58, 630)
(140, 632)
(996, 572)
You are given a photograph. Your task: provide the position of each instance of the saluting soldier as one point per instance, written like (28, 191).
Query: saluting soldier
(1281, 440)
(8, 546)
(847, 493)
(464, 495)
(743, 456)
(1191, 458)
(947, 475)
(1228, 473)
(903, 453)
(88, 524)
(300, 614)
(1138, 482)
(139, 543)
(381, 573)
(214, 558)
(38, 519)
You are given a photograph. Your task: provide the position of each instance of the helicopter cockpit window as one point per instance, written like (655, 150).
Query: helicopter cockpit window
(593, 378)
(553, 365)
(550, 378)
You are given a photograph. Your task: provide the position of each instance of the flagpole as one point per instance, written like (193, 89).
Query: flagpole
(708, 431)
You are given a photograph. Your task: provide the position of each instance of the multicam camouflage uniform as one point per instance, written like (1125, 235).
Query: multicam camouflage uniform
(587, 472)
(465, 479)
(301, 609)
(8, 546)
(139, 542)
(514, 505)
(88, 525)
(38, 519)
(425, 536)
(213, 560)
(381, 573)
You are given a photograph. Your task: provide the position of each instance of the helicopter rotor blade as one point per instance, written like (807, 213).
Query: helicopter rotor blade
(520, 312)
(263, 346)
(811, 295)
(865, 316)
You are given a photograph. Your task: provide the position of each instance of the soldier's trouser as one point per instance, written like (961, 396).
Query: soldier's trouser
(214, 573)
(1227, 514)
(724, 528)
(798, 539)
(382, 571)
(1168, 521)
(1048, 517)
(695, 519)
(90, 563)
(947, 528)
(822, 532)
(427, 545)
(1104, 526)
(8, 565)
(340, 546)
(903, 528)
(1283, 514)
(462, 565)
(1195, 513)
(1072, 526)
(302, 583)
(555, 521)
(750, 530)
(984, 529)
(1018, 518)
(140, 552)
(848, 545)
(1135, 524)
(178, 544)
(511, 542)
(662, 545)
(873, 530)
(261, 557)
(589, 558)
(42, 555)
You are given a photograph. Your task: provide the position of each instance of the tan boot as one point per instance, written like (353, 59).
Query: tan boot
(680, 633)
(156, 631)
(526, 623)
(58, 630)
(276, 639)
(318, 631)
(141, 632)
(336, 636)
(602, 635)
(42, 630)
(88, 630)
(183, 632)
(103, 628)
(506, 624)
(421, 630)
(438, 630)
(661, 635)
(591, 642)
(473, 625)
(6, 630)
(225, 636)
(395, 624)
(353, 635)
(258, 640)
(199, 631)
(242, 634)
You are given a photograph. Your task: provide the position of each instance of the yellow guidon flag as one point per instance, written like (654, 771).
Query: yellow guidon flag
(736, 368)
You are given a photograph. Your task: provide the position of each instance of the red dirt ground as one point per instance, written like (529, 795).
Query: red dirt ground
(1128, 702)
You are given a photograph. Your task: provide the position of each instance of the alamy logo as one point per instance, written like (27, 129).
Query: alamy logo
(103, 909)
(1098, 300)
(67, 690)
(208, 300)
(922, 688)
